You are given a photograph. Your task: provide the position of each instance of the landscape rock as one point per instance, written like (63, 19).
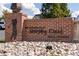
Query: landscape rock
(39, 49)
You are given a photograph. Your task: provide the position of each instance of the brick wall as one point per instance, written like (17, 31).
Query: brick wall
(54, 29)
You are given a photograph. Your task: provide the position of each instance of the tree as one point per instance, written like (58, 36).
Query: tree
(55, 10)
(38, 16)
(46, 7)
(4, 12)
(1, 18)
(65, 10)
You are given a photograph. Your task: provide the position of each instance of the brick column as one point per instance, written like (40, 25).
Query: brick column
(8, 25)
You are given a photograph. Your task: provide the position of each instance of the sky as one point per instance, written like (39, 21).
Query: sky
(73, 6)
(31, 9)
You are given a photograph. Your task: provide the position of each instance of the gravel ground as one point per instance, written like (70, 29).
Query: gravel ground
(39, 49)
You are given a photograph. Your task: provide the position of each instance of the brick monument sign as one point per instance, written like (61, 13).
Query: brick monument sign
(54, 29)
(19, 28)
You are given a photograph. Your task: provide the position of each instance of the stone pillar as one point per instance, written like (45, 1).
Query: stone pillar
(76, 29)
(19, 26)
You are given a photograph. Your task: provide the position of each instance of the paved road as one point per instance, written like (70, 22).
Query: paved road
(2, 35)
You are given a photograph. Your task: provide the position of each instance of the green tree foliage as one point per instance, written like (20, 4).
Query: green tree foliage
(55, 10)
(65, 10)
(1, 18)
(4, 12)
